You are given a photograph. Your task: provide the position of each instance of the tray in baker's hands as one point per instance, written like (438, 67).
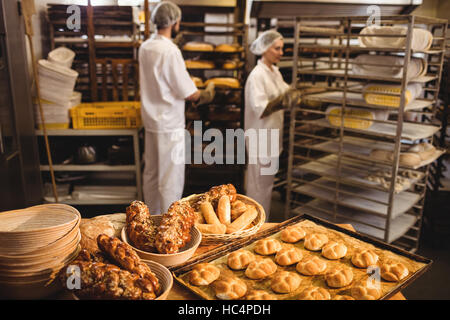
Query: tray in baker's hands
(416, 264)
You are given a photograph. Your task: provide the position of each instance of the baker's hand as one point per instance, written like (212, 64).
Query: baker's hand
(206, 95)
(287, 100)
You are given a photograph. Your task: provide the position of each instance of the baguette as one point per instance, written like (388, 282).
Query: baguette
(224, 210)
(208, 213)
(243, 221)
(211, 228)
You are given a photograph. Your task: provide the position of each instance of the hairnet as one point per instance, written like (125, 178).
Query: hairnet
(264, 41)
(165, 14)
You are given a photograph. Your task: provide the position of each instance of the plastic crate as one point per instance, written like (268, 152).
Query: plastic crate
(106, 115)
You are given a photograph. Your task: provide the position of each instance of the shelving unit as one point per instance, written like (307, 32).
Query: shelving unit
(135, 168)
(226, 111)
(105, 32)
(329, 165)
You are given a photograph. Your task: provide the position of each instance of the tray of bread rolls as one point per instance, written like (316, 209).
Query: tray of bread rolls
(303, 258)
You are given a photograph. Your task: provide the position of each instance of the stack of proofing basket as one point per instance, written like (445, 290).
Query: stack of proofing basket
(56, 88)
(35, 243)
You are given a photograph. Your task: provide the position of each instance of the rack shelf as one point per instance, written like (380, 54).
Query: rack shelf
(329, 166)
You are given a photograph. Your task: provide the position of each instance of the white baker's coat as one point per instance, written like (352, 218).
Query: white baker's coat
(262, 86)
(165, 84)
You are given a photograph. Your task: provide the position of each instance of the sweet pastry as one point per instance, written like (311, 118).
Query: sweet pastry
(285, 282)
(292, 234)
(314, 293)
(342, 297)
(334, 250)
(237, 208)
(243, 221)
(224, 82)
(141, 231)
(124, 255)
(198, 46)
(288, 255)
(267, 246)
(211, 228)
(364, 291)
(393, 271)
(259, 295)
(229, 288)
(203, 274)
(260, 269)
(224, 209)
(315, 241)
(311, 266)
(214, 194)
(175, 228)
(340, 277)
(362, 258)
(239, 260)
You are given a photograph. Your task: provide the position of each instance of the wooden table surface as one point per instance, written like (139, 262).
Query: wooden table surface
(179, 292)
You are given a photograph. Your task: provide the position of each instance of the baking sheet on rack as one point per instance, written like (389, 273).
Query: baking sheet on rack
(352, 243)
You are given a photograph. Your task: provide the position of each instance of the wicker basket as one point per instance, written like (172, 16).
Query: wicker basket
(225, 238)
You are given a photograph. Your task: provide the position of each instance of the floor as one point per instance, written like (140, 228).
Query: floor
(430, 285)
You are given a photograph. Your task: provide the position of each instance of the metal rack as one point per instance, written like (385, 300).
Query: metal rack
(329, 165)
(226, 111)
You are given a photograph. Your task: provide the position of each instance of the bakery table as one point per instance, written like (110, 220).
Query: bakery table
(179, 292)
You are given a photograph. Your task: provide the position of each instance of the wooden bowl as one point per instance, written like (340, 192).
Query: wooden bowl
(162, 273)
(170, 259)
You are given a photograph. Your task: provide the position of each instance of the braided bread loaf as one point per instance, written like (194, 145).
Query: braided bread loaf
(140, 227)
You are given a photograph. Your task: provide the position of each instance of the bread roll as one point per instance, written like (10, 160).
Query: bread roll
(288, 255)
(334, 250)
(314, 293)
(229, 288)
(224, 47)
(224, 209)
(267, 246)
(200, 64)
(363, 291)
(237, 208)
(240, 259)
(260, 269)
(211, 228)
(292, 234)
(339, 277)
(243, 221)
(285, 282)
(203, 274)
(362, 258)
(198, 46)
(311, 266)
(223, 82)
(208, 213)
(259, 295)
(393, 271)
(315, 241)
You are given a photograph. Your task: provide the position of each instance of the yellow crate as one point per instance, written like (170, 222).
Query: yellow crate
(106, 115)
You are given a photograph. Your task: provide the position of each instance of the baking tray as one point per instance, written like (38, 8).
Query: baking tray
(416, 264)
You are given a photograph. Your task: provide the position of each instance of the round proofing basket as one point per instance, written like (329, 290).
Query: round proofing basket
(169, 259)
(224, 238)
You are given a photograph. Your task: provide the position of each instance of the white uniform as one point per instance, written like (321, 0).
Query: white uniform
(165, 83)
(262, 86)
